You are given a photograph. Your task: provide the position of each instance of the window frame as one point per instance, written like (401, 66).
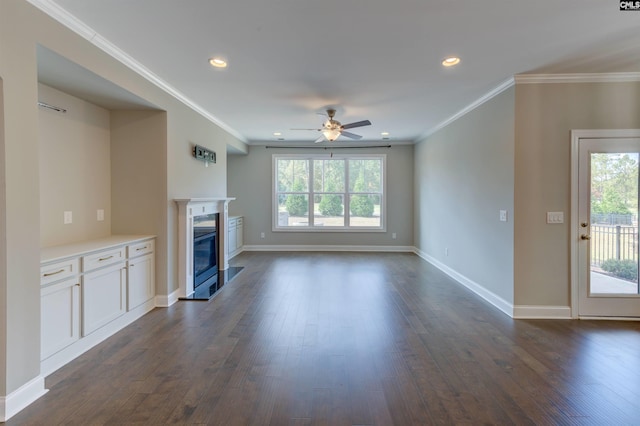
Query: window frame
(275, 227)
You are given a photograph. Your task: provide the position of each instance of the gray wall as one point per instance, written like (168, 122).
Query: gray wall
(545, 116)
(463, 178)
(139, 180)
(249, 180)
(75, 168)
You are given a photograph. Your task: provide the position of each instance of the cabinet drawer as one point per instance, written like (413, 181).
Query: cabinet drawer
(103, 258)
(138, 249)
(57, 271)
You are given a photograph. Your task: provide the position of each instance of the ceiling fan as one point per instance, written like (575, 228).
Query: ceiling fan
(332, 129)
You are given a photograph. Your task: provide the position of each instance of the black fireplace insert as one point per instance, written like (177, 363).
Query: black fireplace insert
(205, 249)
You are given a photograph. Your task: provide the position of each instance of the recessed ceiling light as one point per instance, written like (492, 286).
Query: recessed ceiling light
(218, 62)
(451, 61)
(385, 133)
(277, 133)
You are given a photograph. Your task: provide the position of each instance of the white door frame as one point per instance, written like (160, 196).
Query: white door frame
(576, 135)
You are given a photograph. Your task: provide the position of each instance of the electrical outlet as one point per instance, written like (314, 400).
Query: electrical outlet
(446, 251)
(393, 235)
(262, 235)
(100, 215)
(68, 217)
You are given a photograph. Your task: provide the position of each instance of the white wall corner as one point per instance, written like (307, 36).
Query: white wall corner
(541, 312)
(478, 289)
(21, 398)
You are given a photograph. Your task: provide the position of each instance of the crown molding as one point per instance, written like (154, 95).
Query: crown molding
(485, 98)
(617, 77)
(80, 28)
(613, 77)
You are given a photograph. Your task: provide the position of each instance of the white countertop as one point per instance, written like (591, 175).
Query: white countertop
(49, 254)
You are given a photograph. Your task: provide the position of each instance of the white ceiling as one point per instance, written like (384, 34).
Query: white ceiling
(370, 59)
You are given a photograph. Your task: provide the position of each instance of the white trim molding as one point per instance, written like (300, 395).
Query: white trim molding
(475, 104)
(478, 289)
(166, 301)
(22, 397)
(331, 248)
(614, 77)
(541, 312)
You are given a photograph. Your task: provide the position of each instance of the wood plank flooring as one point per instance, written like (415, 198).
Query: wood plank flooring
(347, 339)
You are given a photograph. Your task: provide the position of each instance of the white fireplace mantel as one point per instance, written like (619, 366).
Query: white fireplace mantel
(188, 208)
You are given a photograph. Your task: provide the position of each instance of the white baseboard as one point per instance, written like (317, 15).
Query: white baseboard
(514, 311)
(19, 399)
(166, 301)
(386, 249)
(591, 318)
(478, 289)
(541, 312)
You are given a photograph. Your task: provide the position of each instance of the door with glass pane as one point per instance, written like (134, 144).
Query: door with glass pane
(608, 227)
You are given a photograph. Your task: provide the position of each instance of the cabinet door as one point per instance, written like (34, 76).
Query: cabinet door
(239, 236)
(103, 297)
(231, 240)
(141, 283)
(59, 317)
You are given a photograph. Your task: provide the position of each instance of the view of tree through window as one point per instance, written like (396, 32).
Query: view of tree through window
(316, 192)
(614, 219)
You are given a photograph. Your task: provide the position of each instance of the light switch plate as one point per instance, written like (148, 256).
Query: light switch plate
(555, 217)
(503, 216)
(68, 217)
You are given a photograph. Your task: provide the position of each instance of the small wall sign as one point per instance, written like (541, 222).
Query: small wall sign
(203, 154)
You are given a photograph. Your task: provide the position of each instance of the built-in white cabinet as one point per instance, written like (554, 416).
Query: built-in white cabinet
(234, 235)
(91, 290)
(140, 274)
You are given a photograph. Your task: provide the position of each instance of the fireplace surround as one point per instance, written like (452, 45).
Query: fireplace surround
(189, 209)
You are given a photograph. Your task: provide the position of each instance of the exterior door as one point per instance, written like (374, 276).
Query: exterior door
(607, 227)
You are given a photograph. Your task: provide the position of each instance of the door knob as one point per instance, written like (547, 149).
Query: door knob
(585, 237)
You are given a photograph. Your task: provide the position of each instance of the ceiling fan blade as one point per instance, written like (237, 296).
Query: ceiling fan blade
(357, 124)
(320, 139)
(350, 135)
(317, 130)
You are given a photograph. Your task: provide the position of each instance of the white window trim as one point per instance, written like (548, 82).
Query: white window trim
(359, 229)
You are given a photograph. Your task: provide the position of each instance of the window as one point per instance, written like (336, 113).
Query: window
(315, 193)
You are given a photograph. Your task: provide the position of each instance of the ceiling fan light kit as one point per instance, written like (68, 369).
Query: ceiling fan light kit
(333, 129)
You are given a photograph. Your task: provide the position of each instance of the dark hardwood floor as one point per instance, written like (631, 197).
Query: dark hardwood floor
(347, 339)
